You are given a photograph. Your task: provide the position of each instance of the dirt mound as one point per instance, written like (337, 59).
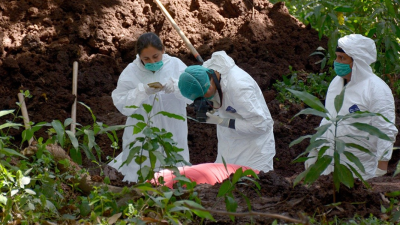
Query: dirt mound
(40, 40)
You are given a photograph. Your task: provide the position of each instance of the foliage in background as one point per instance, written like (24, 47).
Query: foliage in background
(316, 84)
(377, 19)
(342, 173)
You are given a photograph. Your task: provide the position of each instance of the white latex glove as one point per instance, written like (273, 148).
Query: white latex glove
(151, 90)
(169, 87)
(379, 172)
(214, 119)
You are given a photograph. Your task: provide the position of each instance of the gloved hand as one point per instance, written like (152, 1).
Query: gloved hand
(150, 90)
(379, 172)
(169, 87)
(214, 119)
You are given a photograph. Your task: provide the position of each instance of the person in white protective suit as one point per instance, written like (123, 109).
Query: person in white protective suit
(364, 92)
(244, 123)
(151, 65)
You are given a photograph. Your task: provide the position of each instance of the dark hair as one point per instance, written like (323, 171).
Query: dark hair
(148, 39)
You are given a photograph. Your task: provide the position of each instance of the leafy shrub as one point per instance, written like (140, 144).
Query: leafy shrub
(342, 173)
(316, 84)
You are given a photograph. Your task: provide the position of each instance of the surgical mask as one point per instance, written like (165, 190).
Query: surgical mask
(341, 69)
(154, 66)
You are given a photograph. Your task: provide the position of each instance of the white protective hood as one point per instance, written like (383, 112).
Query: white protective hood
(252, 142)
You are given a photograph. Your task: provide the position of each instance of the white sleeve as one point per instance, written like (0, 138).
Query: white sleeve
(128, 92)
(382, 102)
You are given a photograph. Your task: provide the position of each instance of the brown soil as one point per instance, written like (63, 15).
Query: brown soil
(40, 40)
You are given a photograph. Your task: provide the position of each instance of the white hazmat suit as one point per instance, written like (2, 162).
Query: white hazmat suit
(252, 141)
(131, 91)
(364, 92)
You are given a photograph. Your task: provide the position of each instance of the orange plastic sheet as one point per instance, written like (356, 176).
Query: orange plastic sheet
(206, 173)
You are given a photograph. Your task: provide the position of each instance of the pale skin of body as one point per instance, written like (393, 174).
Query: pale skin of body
(342, 57)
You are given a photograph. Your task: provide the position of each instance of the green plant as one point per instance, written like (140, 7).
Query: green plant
(316, 84)
(342, 173)
(154, 144)
(83, 140)
(229, 186)
(164, 205)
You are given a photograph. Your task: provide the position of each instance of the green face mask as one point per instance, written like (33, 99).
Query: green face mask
(341, 69)
(154, 66)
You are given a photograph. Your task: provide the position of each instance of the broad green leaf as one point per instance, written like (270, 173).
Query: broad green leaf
(30, 191)
(148, 132)
(91, 138)
(390, 8)
(160, 157)
(301, 159)
(67, 122)
(392, 194)
(316, 144)
(112, 128)
(140, 159)
(344, 9)
(231, 204)
(339, 100)
(301, 176)
(147, 108)
(76, 155)
(344, 174)
(138, 117)
(371, 130)
(340, 145)
(87, 151)
(132, 107)
(58, 127)
(5, 125)
(138, 127)
(11, 152)
(72, 138)
(366, 184)
(225, 188)
(309, 111)
(320, 131)
(144, 171)
(354, 159)
(322, 151)
(6, 112)
(171, 115)
(3, 200)
(250, 172)
(309, 99)
(198, 209)
(298, 140)
(317, 169)
(237, 175)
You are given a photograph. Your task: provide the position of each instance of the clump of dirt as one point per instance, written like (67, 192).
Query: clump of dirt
(40, 40)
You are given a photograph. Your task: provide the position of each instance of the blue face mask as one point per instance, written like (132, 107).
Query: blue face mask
(154, 66)
(341, 69)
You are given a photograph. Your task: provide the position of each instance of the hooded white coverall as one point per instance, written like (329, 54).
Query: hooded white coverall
(252, 141)
(364, 92)
(130, 91)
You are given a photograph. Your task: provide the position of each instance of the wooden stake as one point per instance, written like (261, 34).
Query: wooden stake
(74, 92)
(25, 115)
